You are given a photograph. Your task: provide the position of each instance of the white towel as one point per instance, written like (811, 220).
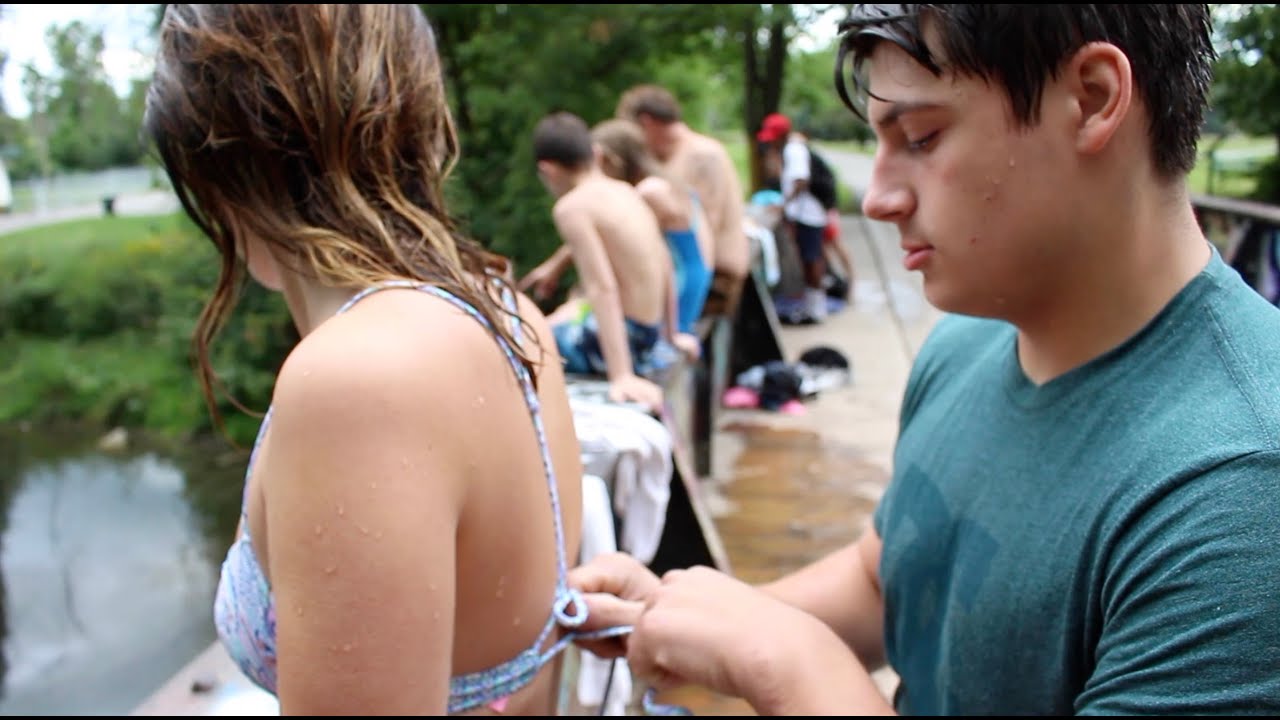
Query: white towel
(631, 451)
(598, 539)
(768, 245)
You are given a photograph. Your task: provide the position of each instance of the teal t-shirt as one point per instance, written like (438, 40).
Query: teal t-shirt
(1105, 543)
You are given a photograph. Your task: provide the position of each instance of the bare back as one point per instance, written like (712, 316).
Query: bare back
(496, 580)
(631, 238)
(703, 163)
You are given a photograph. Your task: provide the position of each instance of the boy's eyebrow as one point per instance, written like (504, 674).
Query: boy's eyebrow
(898, 109)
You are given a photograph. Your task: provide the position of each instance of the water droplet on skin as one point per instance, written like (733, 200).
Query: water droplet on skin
(501, 592)
(331, 570)
(435, 615)
(319, 530)
(377, 535)
(431, 587)
(404, 462)
(364, 530)
(515, 622)
(346, 647)
(341, 511)
(1012, 162)
(305, 373)
(298, 611)
(479, 400)
(373, 486)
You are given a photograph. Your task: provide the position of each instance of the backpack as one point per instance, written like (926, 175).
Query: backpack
(822, 182)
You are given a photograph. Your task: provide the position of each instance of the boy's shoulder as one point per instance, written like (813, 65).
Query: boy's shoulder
(597, 198)
(578, 198)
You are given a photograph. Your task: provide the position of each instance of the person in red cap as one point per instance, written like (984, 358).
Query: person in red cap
(804, 217)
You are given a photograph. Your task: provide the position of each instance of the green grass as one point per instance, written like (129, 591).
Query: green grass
(1239, 155)
(75, 236)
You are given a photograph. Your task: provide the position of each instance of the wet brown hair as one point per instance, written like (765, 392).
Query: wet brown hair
(653, 100)
(624, 152)
(324, 131)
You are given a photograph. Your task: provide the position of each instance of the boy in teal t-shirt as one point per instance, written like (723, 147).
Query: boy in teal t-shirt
(1084, 513)
(1102, 543)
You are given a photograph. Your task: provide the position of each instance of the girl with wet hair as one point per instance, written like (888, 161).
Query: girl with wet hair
(414, 492)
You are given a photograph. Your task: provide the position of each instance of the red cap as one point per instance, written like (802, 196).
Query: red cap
(775, 125)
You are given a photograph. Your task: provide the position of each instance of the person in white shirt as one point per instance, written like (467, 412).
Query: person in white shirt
(804, 217)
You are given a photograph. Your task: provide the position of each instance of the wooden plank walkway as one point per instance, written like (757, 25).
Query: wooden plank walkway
(786, 490)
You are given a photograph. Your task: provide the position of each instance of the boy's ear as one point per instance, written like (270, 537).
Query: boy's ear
(1100, 80)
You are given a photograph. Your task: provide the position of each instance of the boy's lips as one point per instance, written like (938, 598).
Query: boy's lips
(918, 253)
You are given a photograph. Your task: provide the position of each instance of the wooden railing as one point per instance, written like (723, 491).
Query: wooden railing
(1246, 233)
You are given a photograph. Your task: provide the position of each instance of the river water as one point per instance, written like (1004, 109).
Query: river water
(108, 564)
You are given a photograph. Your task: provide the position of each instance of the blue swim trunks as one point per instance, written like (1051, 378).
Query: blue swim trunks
(578, 341)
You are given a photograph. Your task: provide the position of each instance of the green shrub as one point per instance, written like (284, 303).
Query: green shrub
(96, 319)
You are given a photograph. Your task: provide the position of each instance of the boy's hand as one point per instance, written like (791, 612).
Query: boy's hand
(632, 388)
(541, 282)
(688, 345)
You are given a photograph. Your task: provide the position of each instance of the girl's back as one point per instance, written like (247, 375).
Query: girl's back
(400, 510)
(400, 549)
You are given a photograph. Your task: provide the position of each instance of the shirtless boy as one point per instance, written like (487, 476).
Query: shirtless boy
(623, 326)
(703, 163)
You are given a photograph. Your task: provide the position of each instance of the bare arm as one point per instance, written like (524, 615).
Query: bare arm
(672, 320)
(659, 195)
(559, 261)
(843, 591)
(544, 278)
(601, 287)
(361, 520)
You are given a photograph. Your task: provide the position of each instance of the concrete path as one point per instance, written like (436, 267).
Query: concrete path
(155, 202)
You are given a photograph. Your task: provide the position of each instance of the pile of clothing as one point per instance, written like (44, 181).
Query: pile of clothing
(781, 386)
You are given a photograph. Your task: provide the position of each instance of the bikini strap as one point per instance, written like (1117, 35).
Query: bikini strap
(248, 470)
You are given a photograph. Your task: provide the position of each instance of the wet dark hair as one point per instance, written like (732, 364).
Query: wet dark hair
(563, 138)
(1020, 47)
(653, 100)
(625, 156)
(324, 131)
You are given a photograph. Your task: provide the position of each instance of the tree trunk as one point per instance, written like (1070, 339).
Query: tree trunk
(763, 93)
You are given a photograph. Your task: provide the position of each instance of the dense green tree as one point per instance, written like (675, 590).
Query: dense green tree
(508, 65)
(1247, 79)
(89, 128)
